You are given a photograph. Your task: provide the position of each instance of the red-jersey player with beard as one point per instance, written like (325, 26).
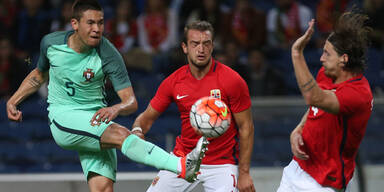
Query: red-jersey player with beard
(227, 161)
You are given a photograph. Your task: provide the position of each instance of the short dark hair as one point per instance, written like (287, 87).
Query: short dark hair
(350, 36)
(197, 25)
(80, 6)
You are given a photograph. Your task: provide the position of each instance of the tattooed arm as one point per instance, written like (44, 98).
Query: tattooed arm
(29, 85)
(312, 93)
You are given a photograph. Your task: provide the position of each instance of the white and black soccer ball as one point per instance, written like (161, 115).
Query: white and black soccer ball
(210, 116)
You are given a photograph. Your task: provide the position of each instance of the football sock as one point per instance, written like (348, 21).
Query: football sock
(147, 153)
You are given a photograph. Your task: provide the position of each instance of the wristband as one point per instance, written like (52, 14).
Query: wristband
(137, 129)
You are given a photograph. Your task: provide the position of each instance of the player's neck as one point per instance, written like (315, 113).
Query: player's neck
(200, 72)
(77, 44)
(344, 76)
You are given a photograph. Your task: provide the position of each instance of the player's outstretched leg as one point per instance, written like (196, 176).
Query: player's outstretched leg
(191, 162)
(147, 153)
(142, 151)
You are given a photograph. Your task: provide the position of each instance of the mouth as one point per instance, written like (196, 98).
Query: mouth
(200, 57)
(95, 37)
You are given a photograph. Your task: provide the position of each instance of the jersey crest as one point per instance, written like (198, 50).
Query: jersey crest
(88, 75)
(215, 93)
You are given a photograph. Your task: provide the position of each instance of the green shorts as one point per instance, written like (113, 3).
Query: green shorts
(71, 129)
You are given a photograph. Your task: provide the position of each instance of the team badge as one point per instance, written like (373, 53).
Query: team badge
(216, 93)
(88, 75)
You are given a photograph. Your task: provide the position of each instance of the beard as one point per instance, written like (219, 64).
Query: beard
(329, 74)
(200, 66)
(93, 43)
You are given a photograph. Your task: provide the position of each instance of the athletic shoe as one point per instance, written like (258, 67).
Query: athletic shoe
(191, 162)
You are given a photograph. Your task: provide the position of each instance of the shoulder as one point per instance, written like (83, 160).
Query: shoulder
(361, 85)
(107, 49)
(56, 38)
(226, 73)
(229, 78)
(358, 89)
(106, 45)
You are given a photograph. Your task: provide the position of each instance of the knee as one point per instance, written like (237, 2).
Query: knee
(115, 134)
(121, 132)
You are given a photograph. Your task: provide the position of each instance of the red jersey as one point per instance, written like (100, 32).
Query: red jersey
(332, 140)
(184, 89)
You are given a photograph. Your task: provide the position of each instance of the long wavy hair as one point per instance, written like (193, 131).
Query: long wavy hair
(350, 36)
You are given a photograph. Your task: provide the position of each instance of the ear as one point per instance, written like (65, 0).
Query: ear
(184, 47)
(75, 24)
(344, 58)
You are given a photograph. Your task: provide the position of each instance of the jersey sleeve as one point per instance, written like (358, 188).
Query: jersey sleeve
(163, 96)
(351, 99)
(238, 92)
(43, 62)
(113, 65)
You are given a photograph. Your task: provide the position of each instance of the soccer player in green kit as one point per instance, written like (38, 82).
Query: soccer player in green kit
(76, 64)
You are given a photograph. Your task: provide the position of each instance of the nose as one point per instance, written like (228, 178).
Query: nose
(322, 58)
(96, 28)
(200, 48)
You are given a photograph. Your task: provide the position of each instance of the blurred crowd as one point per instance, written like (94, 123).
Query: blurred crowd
(251, 36)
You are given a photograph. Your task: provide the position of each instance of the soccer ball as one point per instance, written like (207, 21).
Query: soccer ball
(210, 116)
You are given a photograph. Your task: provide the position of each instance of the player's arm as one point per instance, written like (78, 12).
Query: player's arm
(145, 119)
(297, 140)
(127, 106)
(246, 132)
(312, 93)
(29, 85)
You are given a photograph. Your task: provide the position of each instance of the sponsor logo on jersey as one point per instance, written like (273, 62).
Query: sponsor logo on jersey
(180, 96)
(88, 75)
(216, 93)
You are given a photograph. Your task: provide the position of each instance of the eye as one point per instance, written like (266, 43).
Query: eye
(207, 43)
(325, 52)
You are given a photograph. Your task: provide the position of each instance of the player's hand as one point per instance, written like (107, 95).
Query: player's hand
(296, 145)
(106, 115)
(13, 113)
(245, 183)
(300, 43)
(139, 134)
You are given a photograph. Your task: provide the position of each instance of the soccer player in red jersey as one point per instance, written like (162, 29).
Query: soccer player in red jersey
(227, 161)
(326, 141)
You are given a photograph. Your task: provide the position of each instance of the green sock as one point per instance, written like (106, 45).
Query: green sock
(147, 153)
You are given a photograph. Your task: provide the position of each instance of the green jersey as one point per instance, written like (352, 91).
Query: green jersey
(76, 80)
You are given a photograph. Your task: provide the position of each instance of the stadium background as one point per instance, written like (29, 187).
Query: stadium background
(247, 40)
